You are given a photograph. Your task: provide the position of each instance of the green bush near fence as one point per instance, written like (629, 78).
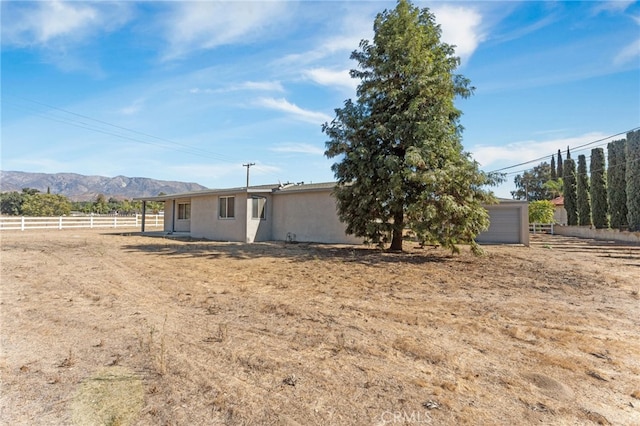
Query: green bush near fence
(541, 211)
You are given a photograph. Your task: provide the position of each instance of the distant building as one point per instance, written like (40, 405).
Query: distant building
(560, 214)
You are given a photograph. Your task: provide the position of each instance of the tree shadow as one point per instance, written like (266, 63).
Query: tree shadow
(297, 252)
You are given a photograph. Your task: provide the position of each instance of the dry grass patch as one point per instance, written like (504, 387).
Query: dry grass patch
(196, 332)
(113, 396)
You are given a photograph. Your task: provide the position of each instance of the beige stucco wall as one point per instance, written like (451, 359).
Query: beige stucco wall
(208, 225)
(598, 234)
(179, 225)
(258, 229)
(560, 215)
(310, 216)
(204, 212)
(168, 215)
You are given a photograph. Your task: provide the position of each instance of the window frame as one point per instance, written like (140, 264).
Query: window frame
(226, 207)
(184, 211)
(255, 207)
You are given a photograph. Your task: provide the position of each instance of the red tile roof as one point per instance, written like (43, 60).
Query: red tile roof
(558, 201)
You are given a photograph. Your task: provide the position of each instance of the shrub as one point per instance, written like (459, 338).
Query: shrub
(541, 211)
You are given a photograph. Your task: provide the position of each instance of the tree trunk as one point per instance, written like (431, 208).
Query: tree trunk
(398, 226)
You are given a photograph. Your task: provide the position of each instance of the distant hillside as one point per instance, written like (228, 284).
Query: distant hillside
(84, 188)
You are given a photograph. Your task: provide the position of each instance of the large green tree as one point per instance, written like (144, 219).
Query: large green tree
(401, 162)
(599, 205)
(616, 183)
(46, 205)
(554, 187)
(583, 201)
(569, 190)
(632, 175)
(100, 205)
(531, 184)
(11, 203)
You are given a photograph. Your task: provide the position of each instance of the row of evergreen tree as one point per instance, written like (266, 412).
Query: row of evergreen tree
(608, 197)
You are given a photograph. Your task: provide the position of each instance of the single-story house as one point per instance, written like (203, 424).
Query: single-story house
(294, 212)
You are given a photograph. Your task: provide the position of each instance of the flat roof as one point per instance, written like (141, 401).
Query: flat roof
(261, 189)
(276, 188)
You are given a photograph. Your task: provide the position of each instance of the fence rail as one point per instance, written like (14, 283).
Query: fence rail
(541, 228)
(24, 223)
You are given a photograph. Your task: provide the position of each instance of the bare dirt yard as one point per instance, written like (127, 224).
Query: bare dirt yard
(99, 327)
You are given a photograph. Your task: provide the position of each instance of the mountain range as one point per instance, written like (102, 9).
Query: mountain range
(78, 187)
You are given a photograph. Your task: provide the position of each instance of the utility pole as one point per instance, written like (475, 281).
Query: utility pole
(248, 165)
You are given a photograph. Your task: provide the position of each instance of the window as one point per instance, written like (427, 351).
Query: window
(257, 208)
(184, 211)
(227, 207)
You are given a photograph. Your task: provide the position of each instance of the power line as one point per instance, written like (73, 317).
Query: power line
(185, 147)
(586, 158)
(577, 148)
(177, 146)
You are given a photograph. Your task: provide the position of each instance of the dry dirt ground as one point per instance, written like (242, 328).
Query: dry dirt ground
(100, 327)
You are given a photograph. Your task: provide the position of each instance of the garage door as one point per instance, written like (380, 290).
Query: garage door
(504, 227)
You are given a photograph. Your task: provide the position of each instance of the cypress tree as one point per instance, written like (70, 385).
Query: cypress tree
(616, 183)
(560, 168)
(583, 201)
(569, 190)
(633, 180)
(401, 163)
(568, 153)
(599, 205)
(554, 174)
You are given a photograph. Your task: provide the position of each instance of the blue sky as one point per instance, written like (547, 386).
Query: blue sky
(192, 90)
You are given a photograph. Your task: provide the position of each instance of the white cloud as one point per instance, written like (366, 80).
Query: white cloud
(221, 175)
(275, 86)
(264, 86)
(348, 27)
(628, 53)
(494, 156)
(205, 25)
(461, 26)
(58, 23)
(133, 108)
(614, 6)
(261, 169)
(295, 111)
(298, 148)
(328, 77)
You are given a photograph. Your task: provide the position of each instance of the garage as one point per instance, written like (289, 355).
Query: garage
(509, 223)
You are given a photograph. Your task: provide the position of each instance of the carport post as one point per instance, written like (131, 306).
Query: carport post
(144, 213)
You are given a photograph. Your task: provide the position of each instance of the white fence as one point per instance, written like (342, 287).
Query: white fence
(64, 222)
(541, 228)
